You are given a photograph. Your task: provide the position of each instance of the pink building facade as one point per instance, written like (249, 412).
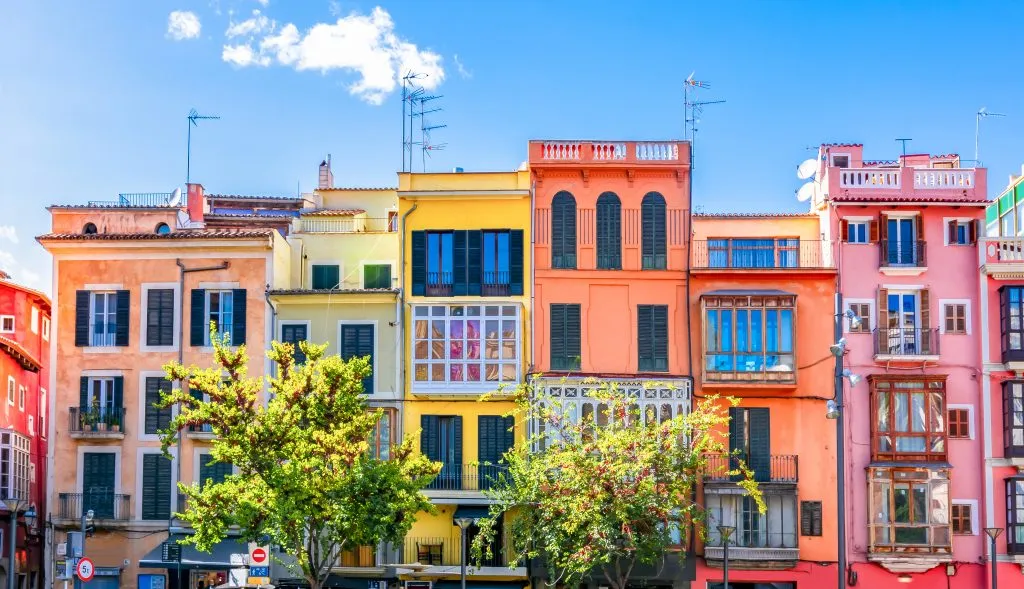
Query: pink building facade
(907, 233)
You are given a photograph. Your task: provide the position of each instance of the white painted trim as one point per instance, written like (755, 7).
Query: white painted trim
(43, 410)
(22, 393)
(34, 319)
(376, 347)
(102, 373)
(986, 415)
(14, 324)
(218, 285)
(326, 262)
(942, 313)
(859, 219)
(904, 287)
(82, 450)
(141, 412)
(973, 503)
(198, 451)
(362, 272)
(103, 287)
(945, 229)
(970, 417)
(137, 503)
(872, 318)
(144, 311)
(79, 256)
(46, 328)
(12, 390)
(903, 214)
(832, 159)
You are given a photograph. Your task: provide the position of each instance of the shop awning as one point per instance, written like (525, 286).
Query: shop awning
(480, 584)
(218, 558)
(471, 511)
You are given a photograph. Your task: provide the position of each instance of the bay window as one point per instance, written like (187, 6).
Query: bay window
(749, 337)
(909, 510)
(1013, 418)
(1015, 515)
(754, 253)
(1011, 315)
(466, 347)
(909, 418)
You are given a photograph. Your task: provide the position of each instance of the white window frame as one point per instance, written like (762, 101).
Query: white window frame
(7, 324)
(942, 313)
(34, 324)
(43, 410)
(144, 324)
(208, 317)
(362, 271)
(342, 277)
(22, 393)
(12, 387)
(973, 504)
(46, 329)
(866, 221)
(872, 317)
(945, 228)
(376, 340)
(31, 426)
(470, 387)
(137, 507)
(970, 419)
(108, 295)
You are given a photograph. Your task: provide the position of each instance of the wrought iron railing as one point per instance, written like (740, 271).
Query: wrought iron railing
(782, 468)
(496, 284)
(136, 200)
(447, 551)
(105, 505)
(96, 419)
(468, 477)
(761, 254)
(897, 253)
(906, 341)
(439, 284)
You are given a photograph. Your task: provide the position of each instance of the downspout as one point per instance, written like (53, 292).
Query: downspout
(986, 410)
(692, 549)
(401, 304)
(273, 315)
(533, 269)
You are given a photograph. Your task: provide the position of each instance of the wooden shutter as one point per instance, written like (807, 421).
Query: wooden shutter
(156, 487)
(883, 227)
(293, 334)
(474, 262)
(83, 394)
(737, 436)
(238, 318)
(200, 326)
(429, 443)
(123, 298)
(644, 337)
(609, 232)
(356, 342)
(326, 277)
(572, 335)
(844, 230)
(558, 336)
(882, 329)
(760, 460)
(156, 419)
(918, 229)
(659, 316)
(653, 231)
(563, 231)
(419, 263)
(873, 231)
(507, 434)
(460, 278)
(82, 300)
(212, 470)
(98, 472)
(160, 317)
(951, 232)
(973, 231)
(118, 393)
(515, 263)
(457, 424)
(927, 341)
(810, 518)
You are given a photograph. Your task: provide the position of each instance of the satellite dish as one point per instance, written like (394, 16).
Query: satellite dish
(175, 199)
(806, 192)
(807, 169)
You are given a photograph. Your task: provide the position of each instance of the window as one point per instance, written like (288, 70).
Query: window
(910, 509)
(563, 231)
(46, 329)
(212, 471)
(104, 318)
(810, 518)
(160, 317)
(750, 440)
(377, 276)
(156, 487)
(14, 463)
(565, 337)
(325, 276)
(496, 263)
(34, 325)
(99, 481)
(440, 263)
(89, 229)
(101, 401)
(652, 232)
(1015, 515)
(441, 441)
(857, 231)
(21, 398)
(392, 221)
(31, 425)
(43, 410)
(495, 437)
(101, 318)
(954, 318)
(652, 338)
(840, 161)
(226, 308)
(474, 347)
(754, 253)
(748, 335)
(468, 263)
(357, 341)
(383, 438)
(293, 333)
(156, 419)
(863, 312)
(960, 517)
(6, 323)
(11, 386)
(162, 229)
(904, 324)
(1013, 419)
(961, 232)
(609, 232)
(1011, 319)
(221, 308)
(1007, 223)
(775, 528)
(902, 241)
(959, 423)
(909, 419)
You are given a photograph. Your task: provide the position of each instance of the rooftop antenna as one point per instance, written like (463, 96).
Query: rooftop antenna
(425, 145)
(692, 109)
(193, 116)
(904, 141)
(409, 90)
(982, 112)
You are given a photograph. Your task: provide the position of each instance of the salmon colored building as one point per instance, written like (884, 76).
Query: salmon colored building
(762, 306)
(610, 252)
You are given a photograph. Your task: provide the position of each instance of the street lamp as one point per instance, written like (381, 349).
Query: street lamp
(834, 410)
(14, 506)
(725, 532)
(994, 533)
(464, 522)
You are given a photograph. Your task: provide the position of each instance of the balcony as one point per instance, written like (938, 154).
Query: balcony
(343, 224)
(444, 551)
(439, 284)
(906, 343)
(495, 284)
(107, 507)
(768, 254)
(935, 184)
(901, 257)
(202, 432)
(760, 368)
(760, 541)
(1001, 257)
(610, 153)
(780, 468)
(465, 480)
(136, 200)
(96, 423)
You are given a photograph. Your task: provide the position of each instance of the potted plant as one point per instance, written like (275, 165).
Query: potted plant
(115, 423)
(97, 416)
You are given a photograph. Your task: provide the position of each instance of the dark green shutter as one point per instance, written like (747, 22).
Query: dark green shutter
(82, 318)
(572, 336)
(156, 487)
(377, 276)
(460, 278)
(356, 342)
(660, 333)
(326, 277)
(458, 441)
(200, 326)
(429, 443)
(645, 338)
(563, 231)
(515, 263)
(98, 472)
(609, 232)
(122, 314)
(474, 262)
(156, 419)
(118, 393)
(652, 217)
(490, 450)
(558, 337)
(419, 263)
(238, 318)
(293, 334)
(83, 394)
(737, 437)
(160, 317)
(760, 460)
(217, 472)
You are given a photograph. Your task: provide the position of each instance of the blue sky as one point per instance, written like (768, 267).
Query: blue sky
(94, 95)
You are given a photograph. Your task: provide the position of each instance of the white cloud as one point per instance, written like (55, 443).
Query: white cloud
(183, 25)
(263, 2)
(8, 232)
(460, 68)
(19, 273)
(256, 25)
(366, 45)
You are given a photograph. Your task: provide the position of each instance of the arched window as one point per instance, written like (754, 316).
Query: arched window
(162, 229)
(609, 232)
(563, 231)
(89, 229)
(652, 220)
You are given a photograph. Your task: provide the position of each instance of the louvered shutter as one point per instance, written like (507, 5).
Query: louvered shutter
(98, 472)
(460, 280)
(82, 303)
(83, 394)
(645, 337)
(609, 232)
(572, 336)
(515, 263)
(474, 262)
(972, 237)
(844, 230)
(652, 215)
(419, 263)
(156, 419)
(882, 330)
(563, 231)
(200, 326)
(293, 334)
(457, 466)
(659, 316)
(156, 487)
(160, 317)
(951, 232)
(356, 342)
(737, 436)
(873, 231)
(927, 340)
(429, 446)
(760, 460)
(118, 394)
(122, 314)
(558, 337)
(238, 334)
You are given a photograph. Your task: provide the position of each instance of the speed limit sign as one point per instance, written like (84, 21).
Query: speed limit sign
(85, 569)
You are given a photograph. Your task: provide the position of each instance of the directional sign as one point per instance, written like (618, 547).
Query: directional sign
(85, 569)
(259, 571)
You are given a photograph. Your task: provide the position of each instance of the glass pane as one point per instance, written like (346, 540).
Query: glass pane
(438, 328)
(421, 351)
(456, 327)
(882, 414)
(901, 503)
(918, 412)
(421, 329)
(473, 372)
(491, 371)
(711, 326)
(422, 371)
(508, 372)
(938, 418)
(902, 412)
(787, 330)
(437, 350)
(508, 350)
(437, 372)
(920, 509)
(455, 350)
(456, 372)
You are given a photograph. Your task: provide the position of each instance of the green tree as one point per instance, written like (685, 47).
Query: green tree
(599, 498)
(305, 477)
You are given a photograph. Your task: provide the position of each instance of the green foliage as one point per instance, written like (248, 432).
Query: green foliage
(599, 499)
(305, 476)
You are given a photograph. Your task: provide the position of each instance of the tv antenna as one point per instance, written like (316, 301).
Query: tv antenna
(193, 116)
(409, 93)
(982, 113)
(693, 109)
(425, 128)
(904, 142)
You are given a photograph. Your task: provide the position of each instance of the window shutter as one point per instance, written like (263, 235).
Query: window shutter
(883, 227)
(507, 434)
(918, 228)
(951, 232)
(609, 232)
(572, 336)
(973, 232)
(238, 319)
(652, 215)
(81, 318)
(160, 317)
(760, 460)
(293, 334)
(474, 261)
(83, 393)
(515, 263)
(123, 308)
(844, 230)
(563, 231)
(873, 231)
(645, 337)
(118, 392)
(457, 422)
(156, 487)
(881, 330)
(428, 438)
(660, 332)
(487, 438)
(200, 327)
(156, 419)
(419, 263)
(927, 345)
(810, 518)
(356, 342)
(558, 336)
(460, 280)
(737, 436)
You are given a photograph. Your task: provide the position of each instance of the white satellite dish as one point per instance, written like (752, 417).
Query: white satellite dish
(175, 199)
(807, 169)
(806, 192)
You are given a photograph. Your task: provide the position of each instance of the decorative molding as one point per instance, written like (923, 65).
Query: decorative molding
(630, 175)
(908, 564)
(586, 176)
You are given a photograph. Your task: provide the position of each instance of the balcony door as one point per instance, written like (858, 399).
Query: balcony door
(98, 472)
(441, 441)
(904, 323)
(902, 241)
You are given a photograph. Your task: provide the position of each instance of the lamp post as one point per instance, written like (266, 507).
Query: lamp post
(993, 533)
(464, 523)
(14, 506)
(725, 532)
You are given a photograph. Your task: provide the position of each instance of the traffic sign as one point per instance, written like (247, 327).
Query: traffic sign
(259, 571)
(85, 569)
(258, 557)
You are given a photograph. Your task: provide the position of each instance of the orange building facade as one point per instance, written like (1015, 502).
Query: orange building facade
(762, 290)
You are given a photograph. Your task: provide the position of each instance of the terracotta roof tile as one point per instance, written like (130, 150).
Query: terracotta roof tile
(20, 354)
(356, 188)
(174, 235)
(754, 215)
(253, 197)
(332, 291)
(951, 199)
(842, 145)
(333, 213)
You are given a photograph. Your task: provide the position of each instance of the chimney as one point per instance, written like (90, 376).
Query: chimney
(326, 176)
(196, 202)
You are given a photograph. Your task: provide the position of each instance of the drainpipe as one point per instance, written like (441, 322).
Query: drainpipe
(401, 300)
(273, 315)
(533, 270)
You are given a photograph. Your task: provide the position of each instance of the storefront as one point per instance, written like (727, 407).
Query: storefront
(193, 569)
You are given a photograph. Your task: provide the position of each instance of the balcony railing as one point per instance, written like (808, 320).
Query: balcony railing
(99, 420)
(327, 224)
(906, 341)
(749, 368)
(496, 284)
(104, 505)
(1002, 250)
(762, 254)
(899, 253)
(439, 284)
(609, 152)
(136, 200)
(768, 536)
(468, 477)
(782, 468)
(104, 340)
(446, 551)
(909, 181)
